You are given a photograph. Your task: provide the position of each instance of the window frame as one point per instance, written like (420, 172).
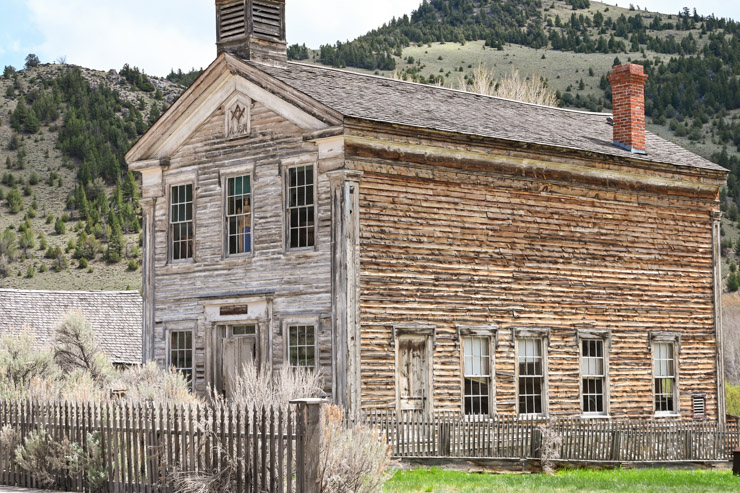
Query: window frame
(308, 321)
(170, 237)
(544, 336)
(490, 333)
(605, 338)
(300, 163)
(170, 333)
(237, 173)
(675, 340)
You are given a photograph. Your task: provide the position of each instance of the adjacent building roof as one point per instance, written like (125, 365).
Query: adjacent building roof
(405, 103)
(115, 317)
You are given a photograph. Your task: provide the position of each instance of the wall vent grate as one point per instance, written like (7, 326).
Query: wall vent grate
(699, 406)
(267, 19)
(232, 20)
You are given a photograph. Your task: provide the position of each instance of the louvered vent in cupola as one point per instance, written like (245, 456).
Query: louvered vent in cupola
(267, 19)
(232, 20)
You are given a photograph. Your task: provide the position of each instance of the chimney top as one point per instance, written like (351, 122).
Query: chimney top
(628, 105)
(252, 29)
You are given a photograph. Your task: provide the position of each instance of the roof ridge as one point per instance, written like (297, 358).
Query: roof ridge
(428, 86)
(9, 290)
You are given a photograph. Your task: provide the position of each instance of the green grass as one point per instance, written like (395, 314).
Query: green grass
(628, 480)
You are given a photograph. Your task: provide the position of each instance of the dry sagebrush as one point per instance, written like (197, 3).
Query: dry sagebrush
(353, 459)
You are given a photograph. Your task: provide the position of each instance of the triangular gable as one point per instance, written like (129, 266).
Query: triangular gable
(226, 77)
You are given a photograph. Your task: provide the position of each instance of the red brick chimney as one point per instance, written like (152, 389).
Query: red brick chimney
(628, 105)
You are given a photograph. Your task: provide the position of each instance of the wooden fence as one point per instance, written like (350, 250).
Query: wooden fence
(146, 448)
(582, 440)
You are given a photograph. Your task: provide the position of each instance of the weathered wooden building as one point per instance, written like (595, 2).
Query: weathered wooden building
(426, 248)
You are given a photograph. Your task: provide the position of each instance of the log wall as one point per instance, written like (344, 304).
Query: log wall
(472, 243)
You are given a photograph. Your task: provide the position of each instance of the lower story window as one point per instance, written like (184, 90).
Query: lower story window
(302, 346)
(477, 375)
(593, 370)
(181, 352)
(664, 370)
(531, 376)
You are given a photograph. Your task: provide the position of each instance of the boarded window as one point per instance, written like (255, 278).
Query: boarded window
(664, 370)
(232, 20)
(477, 375)
(302, 346)
(181, 222)
(412, 374)
(181, 352)
(267, 19)
(593, 378)
(239, 214)
(301, 211)
(531, 376)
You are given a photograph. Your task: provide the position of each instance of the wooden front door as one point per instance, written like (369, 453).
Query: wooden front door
(238, 352)
(413, 374)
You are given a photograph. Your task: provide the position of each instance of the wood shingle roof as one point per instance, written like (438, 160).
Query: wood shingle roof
(116, 317)
(416, 105)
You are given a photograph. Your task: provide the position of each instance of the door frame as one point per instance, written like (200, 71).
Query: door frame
(416, 331)
(221, 332)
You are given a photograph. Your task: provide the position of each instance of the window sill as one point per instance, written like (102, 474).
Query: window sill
(595, 416)
(291, 251)
(524, 417)
(667, 415)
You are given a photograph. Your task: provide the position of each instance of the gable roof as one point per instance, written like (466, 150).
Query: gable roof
(116, 317)
(411, 104)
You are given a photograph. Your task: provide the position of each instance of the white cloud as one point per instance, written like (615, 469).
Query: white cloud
(105, 34)
(161, 34)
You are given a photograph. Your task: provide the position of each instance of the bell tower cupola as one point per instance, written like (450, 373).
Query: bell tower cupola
(252, 29)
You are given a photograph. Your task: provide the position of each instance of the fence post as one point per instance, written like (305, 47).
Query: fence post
(310, 411)
(444, 439)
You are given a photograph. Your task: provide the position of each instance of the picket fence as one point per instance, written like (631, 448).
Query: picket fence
(583, 440)
(146, 447)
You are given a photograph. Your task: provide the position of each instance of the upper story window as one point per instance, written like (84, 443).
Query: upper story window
(664, 377)
(593, 376)
(301, 213)
(239, 215)
(531, 376)
(182, 233)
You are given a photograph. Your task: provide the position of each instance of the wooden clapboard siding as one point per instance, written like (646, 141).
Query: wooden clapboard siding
(298, 282)
(447, 241)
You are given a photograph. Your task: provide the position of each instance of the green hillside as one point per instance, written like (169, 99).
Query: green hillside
(69, 211)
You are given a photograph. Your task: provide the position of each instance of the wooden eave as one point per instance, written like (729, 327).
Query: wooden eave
(145, 152)
(610, 169)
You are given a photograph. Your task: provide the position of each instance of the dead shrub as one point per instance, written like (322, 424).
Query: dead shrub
(352, 459)
(550, 448)
(75, 348)
(47, 459)
(256, 389)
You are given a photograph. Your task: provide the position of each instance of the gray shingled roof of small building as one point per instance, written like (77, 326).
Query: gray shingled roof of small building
(115, 316)
(417, 105)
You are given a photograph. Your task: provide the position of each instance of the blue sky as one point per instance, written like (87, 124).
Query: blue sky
(157, 35)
